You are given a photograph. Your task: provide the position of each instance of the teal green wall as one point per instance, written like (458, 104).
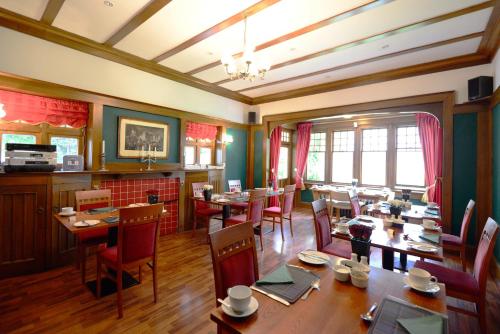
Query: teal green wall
(110, 132)
(496, 172)
(464, 169)
(236, 157)
(257, 163)
(306, 195)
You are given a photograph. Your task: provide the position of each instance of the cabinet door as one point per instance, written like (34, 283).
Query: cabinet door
(22, 229)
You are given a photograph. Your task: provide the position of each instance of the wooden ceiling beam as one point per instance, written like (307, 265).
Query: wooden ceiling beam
(369, 60)
(490, 42)
(374, 37)
(34, 28)
(400, 73)
(261, 5)
(51, 10)
(312, 27)
(151, 9)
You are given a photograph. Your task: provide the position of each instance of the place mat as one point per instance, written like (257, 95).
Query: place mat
(392, 309)
(292, 292)
(101, 210)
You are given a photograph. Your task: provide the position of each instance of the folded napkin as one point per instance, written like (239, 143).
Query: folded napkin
(431, 212)
(279, 276)
(432, 237)
(111, 220)
(101, 210)
(432, 324)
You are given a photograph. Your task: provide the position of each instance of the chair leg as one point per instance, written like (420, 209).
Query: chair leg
(119, 297)
(208, 229)
(260, 237)
(291, 228)
(273, 224)
(155, 281)
(140, 274)
(282, 225)
(78, 255)
(98, 279)
(481, 310)
(194, 224)
(83, 261)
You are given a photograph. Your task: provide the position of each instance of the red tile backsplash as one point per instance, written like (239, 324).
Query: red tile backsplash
(125, 192)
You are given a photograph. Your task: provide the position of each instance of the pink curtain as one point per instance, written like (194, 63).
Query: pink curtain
(201, 131)
(303, 141)
(431, 138)
(35, 109)
(274, 162)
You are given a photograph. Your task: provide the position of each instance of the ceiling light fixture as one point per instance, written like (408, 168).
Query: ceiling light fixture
(250, 68)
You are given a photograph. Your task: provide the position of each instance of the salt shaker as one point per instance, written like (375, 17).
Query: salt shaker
(354, 257)
(364, 260)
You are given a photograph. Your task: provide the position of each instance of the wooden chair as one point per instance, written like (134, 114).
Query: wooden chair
(322, 228)
(234, 258)
(138, 232)
(284, 211)
(202, 209)
(254, 213)
(458, 243)
(465, 286)
(235, 186)
(86, 200)
(356, 208)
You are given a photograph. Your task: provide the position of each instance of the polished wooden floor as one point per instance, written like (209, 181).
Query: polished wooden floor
(56, 302)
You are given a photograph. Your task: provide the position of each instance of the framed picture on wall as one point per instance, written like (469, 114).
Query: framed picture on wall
(136, 137)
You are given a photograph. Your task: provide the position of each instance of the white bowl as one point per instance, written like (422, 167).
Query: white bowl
(359, 279)
(341, 273)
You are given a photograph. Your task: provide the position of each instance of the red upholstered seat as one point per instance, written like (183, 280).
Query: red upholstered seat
(110, 254)
(238, 269)
(233, 220)
(339, 248)
(451, 239)
(453, 279)
(272, 210)
(208, 212)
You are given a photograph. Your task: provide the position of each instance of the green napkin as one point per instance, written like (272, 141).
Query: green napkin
(102, 210)
(279, 276)
(432, 324)
(432, 237)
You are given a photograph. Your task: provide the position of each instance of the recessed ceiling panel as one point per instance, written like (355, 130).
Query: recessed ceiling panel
(428, 55)
(29, 8)
(94, 19)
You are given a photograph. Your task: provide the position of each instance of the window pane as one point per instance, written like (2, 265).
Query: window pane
(65, 146)
(373, 168)
(375, 140)
(342, 163)
(316, 166)
(205, 156)
(410, 168)
(189, 158)
(15, 138)
(283, 163)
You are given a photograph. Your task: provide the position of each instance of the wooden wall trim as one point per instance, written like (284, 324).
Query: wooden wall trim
(489, 43)
(484, 170)
(35, 28)
(51, 10)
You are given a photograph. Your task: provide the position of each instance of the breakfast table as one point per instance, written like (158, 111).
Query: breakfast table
(397, 239)
(416, 212)
(336, 308)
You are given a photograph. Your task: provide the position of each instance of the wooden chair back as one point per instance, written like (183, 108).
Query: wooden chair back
(138, 232)
(234, 185)
(339, 196)
(197, 189)
(92, 199)
(485, 252)
(256, 201)
(464, 230)
(355, 207)
(287, 199)
(321, 223)
(234, 258)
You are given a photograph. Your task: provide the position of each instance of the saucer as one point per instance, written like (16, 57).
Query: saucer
(67, 214)
(431, 287)
(254, 305)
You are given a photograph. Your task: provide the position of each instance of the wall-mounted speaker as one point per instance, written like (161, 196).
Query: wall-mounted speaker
(252, 117)
(480, 87)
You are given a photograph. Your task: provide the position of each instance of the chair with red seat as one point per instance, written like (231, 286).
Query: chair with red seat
(465, 286)
(284, 211)
(235, 186)
(254, 213)
(202, 209)
(86, 200)
(234, 258)
(356, 208)
(322, 228)
(137, 245)
(458, 243)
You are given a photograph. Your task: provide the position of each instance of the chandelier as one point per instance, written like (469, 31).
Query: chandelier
(249, 67)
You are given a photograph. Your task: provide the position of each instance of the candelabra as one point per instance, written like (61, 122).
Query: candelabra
(149, 159)
(103, 162)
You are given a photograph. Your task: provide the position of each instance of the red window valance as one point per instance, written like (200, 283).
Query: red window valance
(35, 109)
(201, 131)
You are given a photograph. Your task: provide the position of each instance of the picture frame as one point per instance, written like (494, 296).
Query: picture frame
(136, 136)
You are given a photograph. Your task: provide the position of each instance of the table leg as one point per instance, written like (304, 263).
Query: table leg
(112, 236)
(388, 259)
(226, 213)
(403, 259)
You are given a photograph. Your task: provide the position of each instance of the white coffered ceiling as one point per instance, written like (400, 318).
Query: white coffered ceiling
(308, 42)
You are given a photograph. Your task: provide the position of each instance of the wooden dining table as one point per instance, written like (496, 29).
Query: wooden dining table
(336, 308)
(416, 212)
(392, 240)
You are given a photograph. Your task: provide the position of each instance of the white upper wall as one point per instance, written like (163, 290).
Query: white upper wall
(455, 80)
(31, 57)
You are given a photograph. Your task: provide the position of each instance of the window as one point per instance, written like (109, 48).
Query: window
(343, 156)
(316, 157)
(205, 156)
(189, 155)
(8, 138)
(374, 151)
(283, 163)
(285, 136)
(65, 146)
(410, 168)
(198, 151)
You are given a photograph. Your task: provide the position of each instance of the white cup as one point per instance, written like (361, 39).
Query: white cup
(428, 223)
(67, 210)
(421, 278)
(239, 297)
(342, 227)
